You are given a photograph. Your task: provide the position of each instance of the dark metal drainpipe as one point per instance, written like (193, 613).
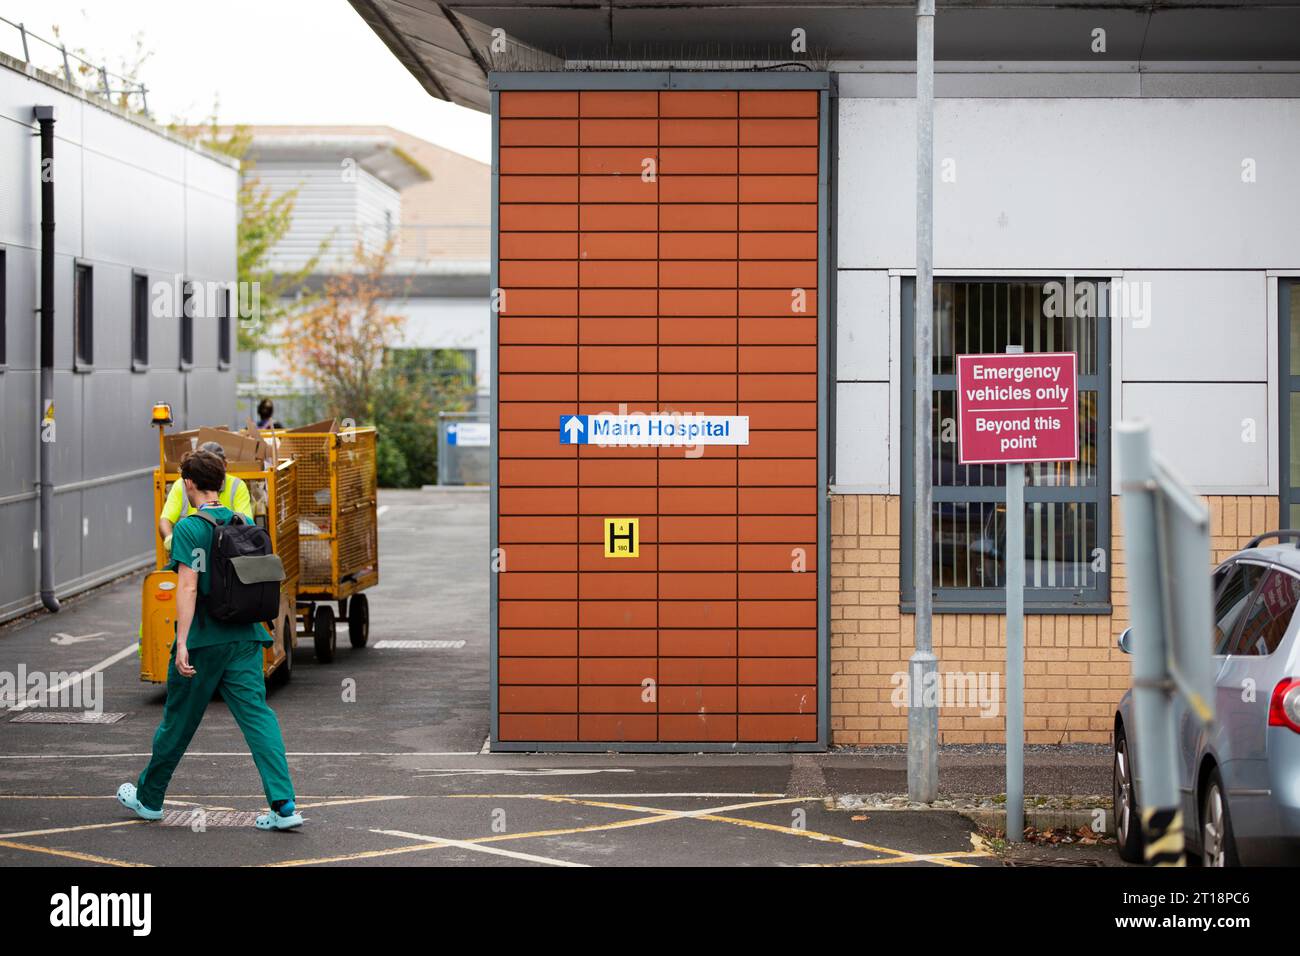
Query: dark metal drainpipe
(45, 117)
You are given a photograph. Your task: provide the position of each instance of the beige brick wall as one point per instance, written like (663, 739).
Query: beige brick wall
(1074, 674)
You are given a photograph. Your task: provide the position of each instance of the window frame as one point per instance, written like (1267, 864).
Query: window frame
(225, 349)
(185, 326)
(4, 309)
(1059, 600)
(139, 364)
(1228, 568)
(1287, 385)
(83, 330)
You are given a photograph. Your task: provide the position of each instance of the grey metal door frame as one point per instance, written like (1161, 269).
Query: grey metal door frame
(1288, 384)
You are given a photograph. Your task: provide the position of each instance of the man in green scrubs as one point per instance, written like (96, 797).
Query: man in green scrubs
(208, 655)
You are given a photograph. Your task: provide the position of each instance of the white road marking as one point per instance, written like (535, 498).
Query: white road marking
(419, 645)
(539, 772)
(379, 512)
(65, 639)
(607, 796)
(76, 829)
(242, 754)
(479, 848)
(107, 662)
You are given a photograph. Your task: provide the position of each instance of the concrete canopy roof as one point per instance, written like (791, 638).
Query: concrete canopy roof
(447, 46)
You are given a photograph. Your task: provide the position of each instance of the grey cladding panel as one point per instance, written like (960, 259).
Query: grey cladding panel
(69, 424)
(21, 323)
(18, 424)
(111, 537)
(18, 581)
(66, 525)
(109, 419)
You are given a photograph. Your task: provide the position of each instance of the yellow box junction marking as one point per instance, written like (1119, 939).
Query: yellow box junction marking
(622, 538)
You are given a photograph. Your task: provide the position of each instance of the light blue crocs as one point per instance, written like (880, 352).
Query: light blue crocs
(126, 796)
(279, 820)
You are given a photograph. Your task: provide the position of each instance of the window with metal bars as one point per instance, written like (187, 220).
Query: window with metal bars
(1067, 504)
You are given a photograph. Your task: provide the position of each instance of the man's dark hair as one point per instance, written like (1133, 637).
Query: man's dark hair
(206, 470)
(265, 409)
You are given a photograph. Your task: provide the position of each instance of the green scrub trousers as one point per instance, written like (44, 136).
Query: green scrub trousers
(235, 667)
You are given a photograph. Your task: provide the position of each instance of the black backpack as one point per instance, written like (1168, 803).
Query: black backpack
(244, 573)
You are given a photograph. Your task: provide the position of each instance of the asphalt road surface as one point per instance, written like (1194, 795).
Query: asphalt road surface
(400, 776)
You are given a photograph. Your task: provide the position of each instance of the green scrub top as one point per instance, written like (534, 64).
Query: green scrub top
(192, 540)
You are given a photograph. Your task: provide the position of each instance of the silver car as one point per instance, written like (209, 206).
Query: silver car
(1239, 777)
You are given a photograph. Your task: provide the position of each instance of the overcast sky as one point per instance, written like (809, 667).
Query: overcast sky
(260, 61)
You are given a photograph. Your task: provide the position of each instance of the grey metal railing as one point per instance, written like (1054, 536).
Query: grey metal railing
(126, 93)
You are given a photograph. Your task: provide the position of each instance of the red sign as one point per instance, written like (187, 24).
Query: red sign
(1017, 408)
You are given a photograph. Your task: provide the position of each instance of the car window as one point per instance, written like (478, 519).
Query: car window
(1269, 617)
(1230, 601)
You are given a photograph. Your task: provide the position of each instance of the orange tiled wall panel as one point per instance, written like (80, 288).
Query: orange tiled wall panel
(664, 292)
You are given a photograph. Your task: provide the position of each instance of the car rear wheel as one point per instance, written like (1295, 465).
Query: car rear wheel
(1128, 824)
(1218, 848)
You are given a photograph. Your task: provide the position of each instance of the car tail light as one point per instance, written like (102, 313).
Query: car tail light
(1284, 708)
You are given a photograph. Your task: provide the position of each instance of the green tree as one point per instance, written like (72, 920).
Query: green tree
(413, 386)
(347, 346)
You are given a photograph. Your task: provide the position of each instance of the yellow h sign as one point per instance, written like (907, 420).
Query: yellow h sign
(621, 538)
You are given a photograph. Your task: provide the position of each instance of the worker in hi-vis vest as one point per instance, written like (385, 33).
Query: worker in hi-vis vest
(234, 495)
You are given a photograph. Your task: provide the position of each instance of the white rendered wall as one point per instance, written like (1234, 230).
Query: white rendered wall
(1152, 192)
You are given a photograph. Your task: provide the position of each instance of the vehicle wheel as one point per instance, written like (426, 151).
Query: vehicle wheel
(323, 634)
(358, 620)
(1218, 848)
(1128, 818)
(284, 673)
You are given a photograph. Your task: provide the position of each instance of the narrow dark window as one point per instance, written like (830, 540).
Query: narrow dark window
(187, 325)
(4, 309)
(139, 320)
(84, 314)
(223, 329)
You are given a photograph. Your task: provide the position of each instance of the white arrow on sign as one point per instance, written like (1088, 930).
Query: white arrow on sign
(574, 427)
(63, 639)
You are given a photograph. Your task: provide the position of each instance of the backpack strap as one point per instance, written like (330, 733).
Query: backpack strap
(200, 513)
(200, 599)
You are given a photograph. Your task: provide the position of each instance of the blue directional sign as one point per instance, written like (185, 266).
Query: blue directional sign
(574, 430)
(469, 434)
(641, 429)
